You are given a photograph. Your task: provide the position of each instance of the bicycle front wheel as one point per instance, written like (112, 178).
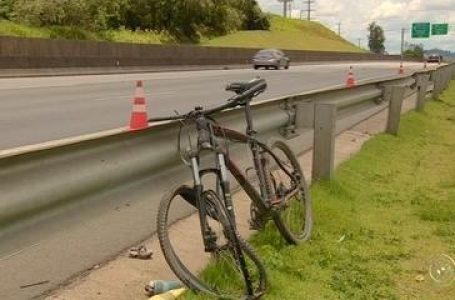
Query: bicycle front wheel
(216, 268)
(293, 214)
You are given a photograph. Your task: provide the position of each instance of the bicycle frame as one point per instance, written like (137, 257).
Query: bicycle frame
(263, 200)
(223, 163)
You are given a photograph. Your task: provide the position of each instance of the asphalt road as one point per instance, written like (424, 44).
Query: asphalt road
(36, 110)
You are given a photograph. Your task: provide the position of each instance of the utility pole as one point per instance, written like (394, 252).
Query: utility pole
(403, 30)
(339, 28)
(359, 39)
(286, 6)
(309, 10)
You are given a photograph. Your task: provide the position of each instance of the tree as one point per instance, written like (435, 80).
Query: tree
(40, 12)
(254, 18)
(414, 51)
(6, 9)
(185, 20)
(376, 38)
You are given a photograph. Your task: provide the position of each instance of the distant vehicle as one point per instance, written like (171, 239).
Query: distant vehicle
(434, 58)
(271, 58)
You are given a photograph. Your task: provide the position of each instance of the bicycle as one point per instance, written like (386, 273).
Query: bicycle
(283, 196)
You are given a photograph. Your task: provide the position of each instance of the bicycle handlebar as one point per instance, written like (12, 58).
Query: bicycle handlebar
(245, 92)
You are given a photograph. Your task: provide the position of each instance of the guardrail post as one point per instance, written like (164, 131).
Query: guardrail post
(422, 85)
(324, 140)
(449, 75)
(304, 115)
(448, 71)
(395, 104)
(444, 78)
(435, 77)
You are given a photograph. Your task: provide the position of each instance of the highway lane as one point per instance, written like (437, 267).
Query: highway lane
(35, 110)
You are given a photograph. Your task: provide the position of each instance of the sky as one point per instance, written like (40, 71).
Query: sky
(392, 15)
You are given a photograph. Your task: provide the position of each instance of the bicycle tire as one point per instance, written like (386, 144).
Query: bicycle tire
(183, 272)
(303, 199)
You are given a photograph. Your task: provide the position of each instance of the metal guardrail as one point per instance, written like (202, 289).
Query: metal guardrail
(37, 180)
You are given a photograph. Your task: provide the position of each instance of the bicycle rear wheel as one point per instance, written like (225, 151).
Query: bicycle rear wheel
(293, 214)
(223, 276)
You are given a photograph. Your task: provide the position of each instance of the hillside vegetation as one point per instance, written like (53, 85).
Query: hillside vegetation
(226, 23)
(287, 34)
(186, 20)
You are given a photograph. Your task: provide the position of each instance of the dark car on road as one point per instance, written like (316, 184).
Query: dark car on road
(434, 58)
(271, 58)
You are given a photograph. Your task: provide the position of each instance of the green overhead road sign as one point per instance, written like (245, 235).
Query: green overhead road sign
(439, 29)
(420, 30)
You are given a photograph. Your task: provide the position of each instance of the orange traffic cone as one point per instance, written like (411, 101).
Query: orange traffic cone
(401, 69)
(350, 82)
(139, 118)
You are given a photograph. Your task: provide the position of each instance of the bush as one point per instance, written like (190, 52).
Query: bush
(186, 20)
(6, 9)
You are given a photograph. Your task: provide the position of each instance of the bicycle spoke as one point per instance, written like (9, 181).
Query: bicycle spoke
(219, 273)
(292, 205)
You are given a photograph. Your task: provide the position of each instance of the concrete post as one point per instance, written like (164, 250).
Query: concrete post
(422, 85)
(324, 141)
(304, 115)
(395, 104)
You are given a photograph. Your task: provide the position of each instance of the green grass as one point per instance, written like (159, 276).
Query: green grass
(287, 34)
(8, 28)
(284, 34)
(389, 211)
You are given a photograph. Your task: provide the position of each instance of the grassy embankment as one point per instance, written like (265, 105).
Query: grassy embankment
(387, 214)
(284, 34)
(287, 34)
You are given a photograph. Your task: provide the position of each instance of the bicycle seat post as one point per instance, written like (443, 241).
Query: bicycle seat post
(249, 119)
